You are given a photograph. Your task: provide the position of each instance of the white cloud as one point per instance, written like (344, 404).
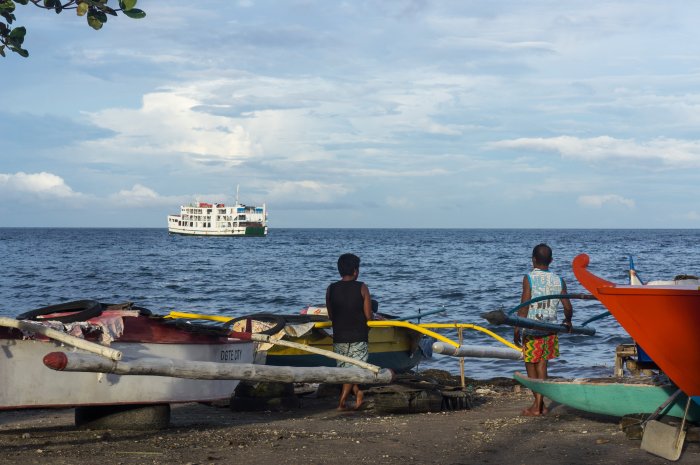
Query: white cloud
(692, 216)
(44, 185)
(142, 196)
(167, 123)
(672, 152)
(598, 201)
(399, 202)
(306, 191)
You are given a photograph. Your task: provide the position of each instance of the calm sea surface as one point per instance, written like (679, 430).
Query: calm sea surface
(464, 271)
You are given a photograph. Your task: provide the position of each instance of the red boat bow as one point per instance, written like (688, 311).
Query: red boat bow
(664, 320)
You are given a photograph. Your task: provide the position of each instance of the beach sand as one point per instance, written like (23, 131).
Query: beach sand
(491, 432)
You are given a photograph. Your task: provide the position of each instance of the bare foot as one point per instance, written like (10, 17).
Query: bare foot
(358, 400)
(528, 412)
(342, 407)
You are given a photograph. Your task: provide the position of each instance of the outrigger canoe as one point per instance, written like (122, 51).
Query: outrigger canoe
(393, 343)
(121, 332)
(663, 319)
(612, 396)
(389, 347)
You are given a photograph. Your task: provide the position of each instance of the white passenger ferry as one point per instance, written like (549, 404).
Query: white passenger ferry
(217, 219)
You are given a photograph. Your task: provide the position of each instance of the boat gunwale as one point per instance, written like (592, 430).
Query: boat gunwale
(611, 381)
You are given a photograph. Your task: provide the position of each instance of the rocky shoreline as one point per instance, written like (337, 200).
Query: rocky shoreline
(314, 432)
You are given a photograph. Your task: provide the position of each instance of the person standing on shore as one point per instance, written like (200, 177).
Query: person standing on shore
(539, 347)
(349, 307)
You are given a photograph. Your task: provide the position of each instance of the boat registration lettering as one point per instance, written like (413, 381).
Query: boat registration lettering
(231, 355)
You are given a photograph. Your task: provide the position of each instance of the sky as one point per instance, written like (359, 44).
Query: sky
(369, 114)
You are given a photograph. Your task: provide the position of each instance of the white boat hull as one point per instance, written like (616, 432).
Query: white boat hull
(241, 231)
(27, 383)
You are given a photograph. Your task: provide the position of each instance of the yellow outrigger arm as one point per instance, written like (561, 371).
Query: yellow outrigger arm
(199, 316)
(422, 328)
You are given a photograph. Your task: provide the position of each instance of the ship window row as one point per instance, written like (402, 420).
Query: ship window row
(200, 224)
(194, 224)
(217, 218)
(220, 211)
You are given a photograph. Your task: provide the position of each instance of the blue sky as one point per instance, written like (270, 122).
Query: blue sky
(464, 114)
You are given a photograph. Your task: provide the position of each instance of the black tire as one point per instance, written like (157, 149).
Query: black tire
(83, 310)
(415, 381)
(123, 417)
(407, 401)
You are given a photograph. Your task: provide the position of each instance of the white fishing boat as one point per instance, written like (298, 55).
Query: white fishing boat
(131, 333)
(218, 219)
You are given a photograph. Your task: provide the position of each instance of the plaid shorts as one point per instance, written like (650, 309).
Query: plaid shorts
(356, 350)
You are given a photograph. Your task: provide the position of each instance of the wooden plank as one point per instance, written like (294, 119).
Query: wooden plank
(62, 361)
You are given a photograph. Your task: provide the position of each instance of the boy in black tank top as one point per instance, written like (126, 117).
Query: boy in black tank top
(349, 307)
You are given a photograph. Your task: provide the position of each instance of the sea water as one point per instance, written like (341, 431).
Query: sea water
(465, 272)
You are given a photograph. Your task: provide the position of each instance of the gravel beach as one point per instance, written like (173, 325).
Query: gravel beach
(491, 432)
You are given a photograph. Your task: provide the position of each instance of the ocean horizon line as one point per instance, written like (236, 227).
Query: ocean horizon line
(326, 228)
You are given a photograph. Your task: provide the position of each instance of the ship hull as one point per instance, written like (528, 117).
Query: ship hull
(248, 231)
(28, 383)
(612, 396)
(663, 320)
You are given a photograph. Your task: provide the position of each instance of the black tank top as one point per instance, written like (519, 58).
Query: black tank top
(347, 310)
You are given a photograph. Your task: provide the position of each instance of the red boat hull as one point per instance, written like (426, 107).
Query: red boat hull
(663, 320)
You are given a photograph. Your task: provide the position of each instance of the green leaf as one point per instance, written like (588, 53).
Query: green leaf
(82, 8)
(135, 13)
(93, 22)
(20, 51)
(18, 33)
(101, 16)
(49, 3)
(126, 5)
(58, 7)
(8, 17)
(22, 2)
(2, 50)
(110, 11)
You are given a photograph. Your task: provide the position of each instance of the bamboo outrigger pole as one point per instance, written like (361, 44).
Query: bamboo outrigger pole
(257, 337)
(499, 317)
(62, 361)
(468, 350)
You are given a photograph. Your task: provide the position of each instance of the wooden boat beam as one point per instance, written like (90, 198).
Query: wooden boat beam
(62, 361)
(314, 350)
(475, 351)
(499, 317)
